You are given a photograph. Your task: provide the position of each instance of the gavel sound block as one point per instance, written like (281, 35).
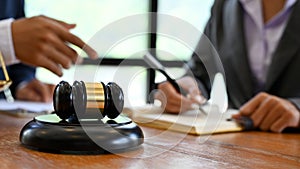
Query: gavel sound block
(87, 118)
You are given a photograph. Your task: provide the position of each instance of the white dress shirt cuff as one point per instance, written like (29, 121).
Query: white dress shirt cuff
(6, 42)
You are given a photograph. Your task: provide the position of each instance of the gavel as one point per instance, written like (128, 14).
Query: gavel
(85, 100)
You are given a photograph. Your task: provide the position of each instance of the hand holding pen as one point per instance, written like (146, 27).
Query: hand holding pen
(176, 95)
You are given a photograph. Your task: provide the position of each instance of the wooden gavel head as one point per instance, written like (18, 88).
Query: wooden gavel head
(82, 100)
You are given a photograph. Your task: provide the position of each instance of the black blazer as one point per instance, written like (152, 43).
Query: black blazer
(18, 72)
(11, 9)
(226, 33)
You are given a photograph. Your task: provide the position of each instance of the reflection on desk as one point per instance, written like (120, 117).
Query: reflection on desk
(232, 150)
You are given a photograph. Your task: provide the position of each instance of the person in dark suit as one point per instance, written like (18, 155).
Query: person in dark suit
(37, 41)
(256, 41)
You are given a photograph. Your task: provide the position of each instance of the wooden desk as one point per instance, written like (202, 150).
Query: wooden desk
(233, 150)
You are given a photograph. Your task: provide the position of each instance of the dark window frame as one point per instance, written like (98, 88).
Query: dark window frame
(153, 8)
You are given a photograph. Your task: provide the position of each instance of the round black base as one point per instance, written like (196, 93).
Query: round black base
(49, 133)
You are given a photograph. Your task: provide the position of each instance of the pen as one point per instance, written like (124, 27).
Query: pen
(155, 64)
(244, 121)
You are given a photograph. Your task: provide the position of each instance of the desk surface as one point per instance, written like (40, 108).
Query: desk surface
(162, 149)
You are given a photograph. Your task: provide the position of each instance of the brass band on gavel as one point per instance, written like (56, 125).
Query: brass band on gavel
(95, 93)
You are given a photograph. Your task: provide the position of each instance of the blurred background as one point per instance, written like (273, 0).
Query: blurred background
(123, 63)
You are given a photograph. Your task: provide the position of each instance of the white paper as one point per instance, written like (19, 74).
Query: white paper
(34, 107)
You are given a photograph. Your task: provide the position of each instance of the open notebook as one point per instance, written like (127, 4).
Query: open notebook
(210, 118)
(192, 122)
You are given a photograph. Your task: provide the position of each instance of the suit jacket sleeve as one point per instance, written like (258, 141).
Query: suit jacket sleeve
(203, 64)
(20, 73)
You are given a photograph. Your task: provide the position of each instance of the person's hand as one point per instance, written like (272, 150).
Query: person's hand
(42, 41)
(175, 102)
(271, 113)
(35, 91)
